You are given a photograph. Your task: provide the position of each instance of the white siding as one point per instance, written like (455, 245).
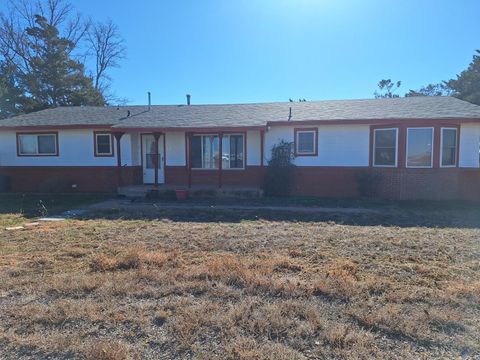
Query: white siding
(469, 145)
(253, 148)
(338, 145)
(75, 149)
(175, 148)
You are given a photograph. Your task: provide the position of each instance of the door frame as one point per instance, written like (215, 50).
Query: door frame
(162, 136)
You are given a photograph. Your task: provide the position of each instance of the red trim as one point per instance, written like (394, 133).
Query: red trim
(96, 154)
(389, 122)
(55, 127)
(262, 145)
(315, 141)
(457, 148)
(402, 142)
(194, 129)
(38, 133)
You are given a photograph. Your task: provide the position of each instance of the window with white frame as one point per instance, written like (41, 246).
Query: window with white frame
(103, 144)
(419, 147)
(385, 145)
(233, 153)
(205, 152)
(449, 147)
(37, 144)
(305, 142)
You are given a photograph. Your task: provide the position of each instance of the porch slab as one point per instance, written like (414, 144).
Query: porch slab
(195, 191)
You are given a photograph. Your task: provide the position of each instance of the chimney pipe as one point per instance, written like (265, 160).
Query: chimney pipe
(290, 114)
(149, 100)
(188, 99)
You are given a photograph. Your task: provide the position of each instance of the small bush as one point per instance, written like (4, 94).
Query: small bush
(368, 183)
(280, 174)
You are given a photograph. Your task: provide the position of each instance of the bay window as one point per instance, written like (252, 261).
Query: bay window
(385, 145)
(37, 144)
(419, 147)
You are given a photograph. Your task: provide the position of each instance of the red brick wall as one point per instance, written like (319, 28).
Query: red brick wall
(397, 184)
(433, 184)
(251, 176)
(60, 178)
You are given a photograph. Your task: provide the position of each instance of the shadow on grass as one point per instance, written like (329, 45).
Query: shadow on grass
(402, 217)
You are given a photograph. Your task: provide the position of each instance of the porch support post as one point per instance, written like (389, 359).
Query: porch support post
(220, 159)
(262, 146)
(188, 152)
(156, 136)
(118, 137)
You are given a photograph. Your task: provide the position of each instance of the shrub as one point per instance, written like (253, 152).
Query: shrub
(280, 170)
(368, 183)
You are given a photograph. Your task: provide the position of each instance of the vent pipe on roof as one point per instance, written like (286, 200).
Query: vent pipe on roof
(188, 99)
(149, 101)
(290, 114)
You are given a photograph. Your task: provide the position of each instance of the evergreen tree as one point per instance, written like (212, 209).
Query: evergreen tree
(55, 79)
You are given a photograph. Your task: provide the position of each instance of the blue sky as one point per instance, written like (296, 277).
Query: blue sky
(234, 51)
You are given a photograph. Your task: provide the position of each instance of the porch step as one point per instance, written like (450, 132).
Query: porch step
(197, 192)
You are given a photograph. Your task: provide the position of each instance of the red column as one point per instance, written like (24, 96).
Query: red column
(188, 155)
(118, 137)
(262, 145)
(156, 137)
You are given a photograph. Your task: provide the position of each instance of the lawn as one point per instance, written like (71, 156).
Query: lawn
(16, 208)
(244, 285)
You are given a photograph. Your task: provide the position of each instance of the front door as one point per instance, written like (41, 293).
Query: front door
(150, 157)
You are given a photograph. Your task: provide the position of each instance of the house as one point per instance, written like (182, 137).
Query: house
(423, 147)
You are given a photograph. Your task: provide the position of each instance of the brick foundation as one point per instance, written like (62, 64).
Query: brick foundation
(61, 179)
(396, 184)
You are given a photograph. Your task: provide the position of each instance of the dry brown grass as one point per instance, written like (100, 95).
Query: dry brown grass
(128, 289)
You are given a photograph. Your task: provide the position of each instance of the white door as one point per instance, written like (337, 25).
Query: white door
(149, 159)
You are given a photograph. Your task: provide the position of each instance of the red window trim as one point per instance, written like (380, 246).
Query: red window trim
(402, 143)
(457, 147)
(372, 146)
(315, 140)
(188, 146)
(112, 153)
(38, 133)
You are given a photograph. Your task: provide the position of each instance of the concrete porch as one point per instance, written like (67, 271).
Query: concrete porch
(195, 191)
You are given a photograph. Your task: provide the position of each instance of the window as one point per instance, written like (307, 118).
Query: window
(233, 151)
(204, 152)
(385, 147)
(37, 144)
(449, 147)
(103, 144)
(305, 142)
(419, 147)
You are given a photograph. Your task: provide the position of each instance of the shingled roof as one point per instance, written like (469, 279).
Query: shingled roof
(238, 115)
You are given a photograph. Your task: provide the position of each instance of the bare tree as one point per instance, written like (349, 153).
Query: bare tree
(108, 48)
(20, 15)
(100, 42)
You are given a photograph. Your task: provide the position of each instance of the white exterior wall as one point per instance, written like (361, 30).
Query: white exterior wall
(175, 148)
(253, 148)
(469, 145)
(338, 145)
(75, 148)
